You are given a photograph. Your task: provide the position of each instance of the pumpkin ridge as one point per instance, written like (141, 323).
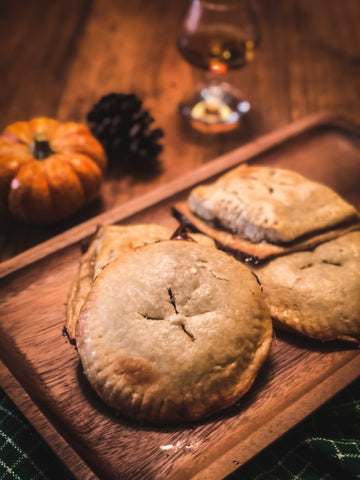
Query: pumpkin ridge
(77, 200)
(58, 168)
(88, 172)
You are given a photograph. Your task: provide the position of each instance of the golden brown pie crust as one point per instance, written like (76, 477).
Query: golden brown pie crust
(174, 331)
(110, 242)
(262, 212)
(317, 293)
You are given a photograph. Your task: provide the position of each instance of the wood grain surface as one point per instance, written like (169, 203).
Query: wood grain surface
(177, 186)
(298, 376)
(26, 405)
(57, 59)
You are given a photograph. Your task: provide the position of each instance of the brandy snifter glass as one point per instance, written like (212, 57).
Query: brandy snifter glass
(217, 36)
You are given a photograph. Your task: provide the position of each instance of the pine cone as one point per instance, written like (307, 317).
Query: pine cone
(118, 121)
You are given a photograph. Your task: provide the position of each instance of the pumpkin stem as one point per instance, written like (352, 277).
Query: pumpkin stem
(41, 147)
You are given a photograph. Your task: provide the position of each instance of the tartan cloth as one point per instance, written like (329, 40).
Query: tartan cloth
(24, 455)
(326, 445)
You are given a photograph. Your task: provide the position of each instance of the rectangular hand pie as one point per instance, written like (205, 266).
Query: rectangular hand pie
(262, 212)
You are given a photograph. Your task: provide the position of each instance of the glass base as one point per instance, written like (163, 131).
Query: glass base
(215, 108)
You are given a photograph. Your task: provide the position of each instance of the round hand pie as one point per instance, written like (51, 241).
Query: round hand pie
(173, 332)
(317, 293)
(111, 242)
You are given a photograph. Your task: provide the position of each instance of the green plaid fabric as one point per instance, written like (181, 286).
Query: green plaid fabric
(324, 446)
(23, 453)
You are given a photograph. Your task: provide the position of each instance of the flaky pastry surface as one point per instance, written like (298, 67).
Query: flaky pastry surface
(269, 204)
(317, 293)
(174, 332)
(110, 242)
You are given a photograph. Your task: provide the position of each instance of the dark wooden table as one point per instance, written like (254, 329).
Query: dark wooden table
(58, 58)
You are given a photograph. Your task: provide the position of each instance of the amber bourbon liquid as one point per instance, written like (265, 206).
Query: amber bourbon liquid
(218, 49)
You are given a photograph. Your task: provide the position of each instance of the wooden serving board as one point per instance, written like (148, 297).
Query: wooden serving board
(41, 368)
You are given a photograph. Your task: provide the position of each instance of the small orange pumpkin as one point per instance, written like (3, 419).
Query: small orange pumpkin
(48, 170)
